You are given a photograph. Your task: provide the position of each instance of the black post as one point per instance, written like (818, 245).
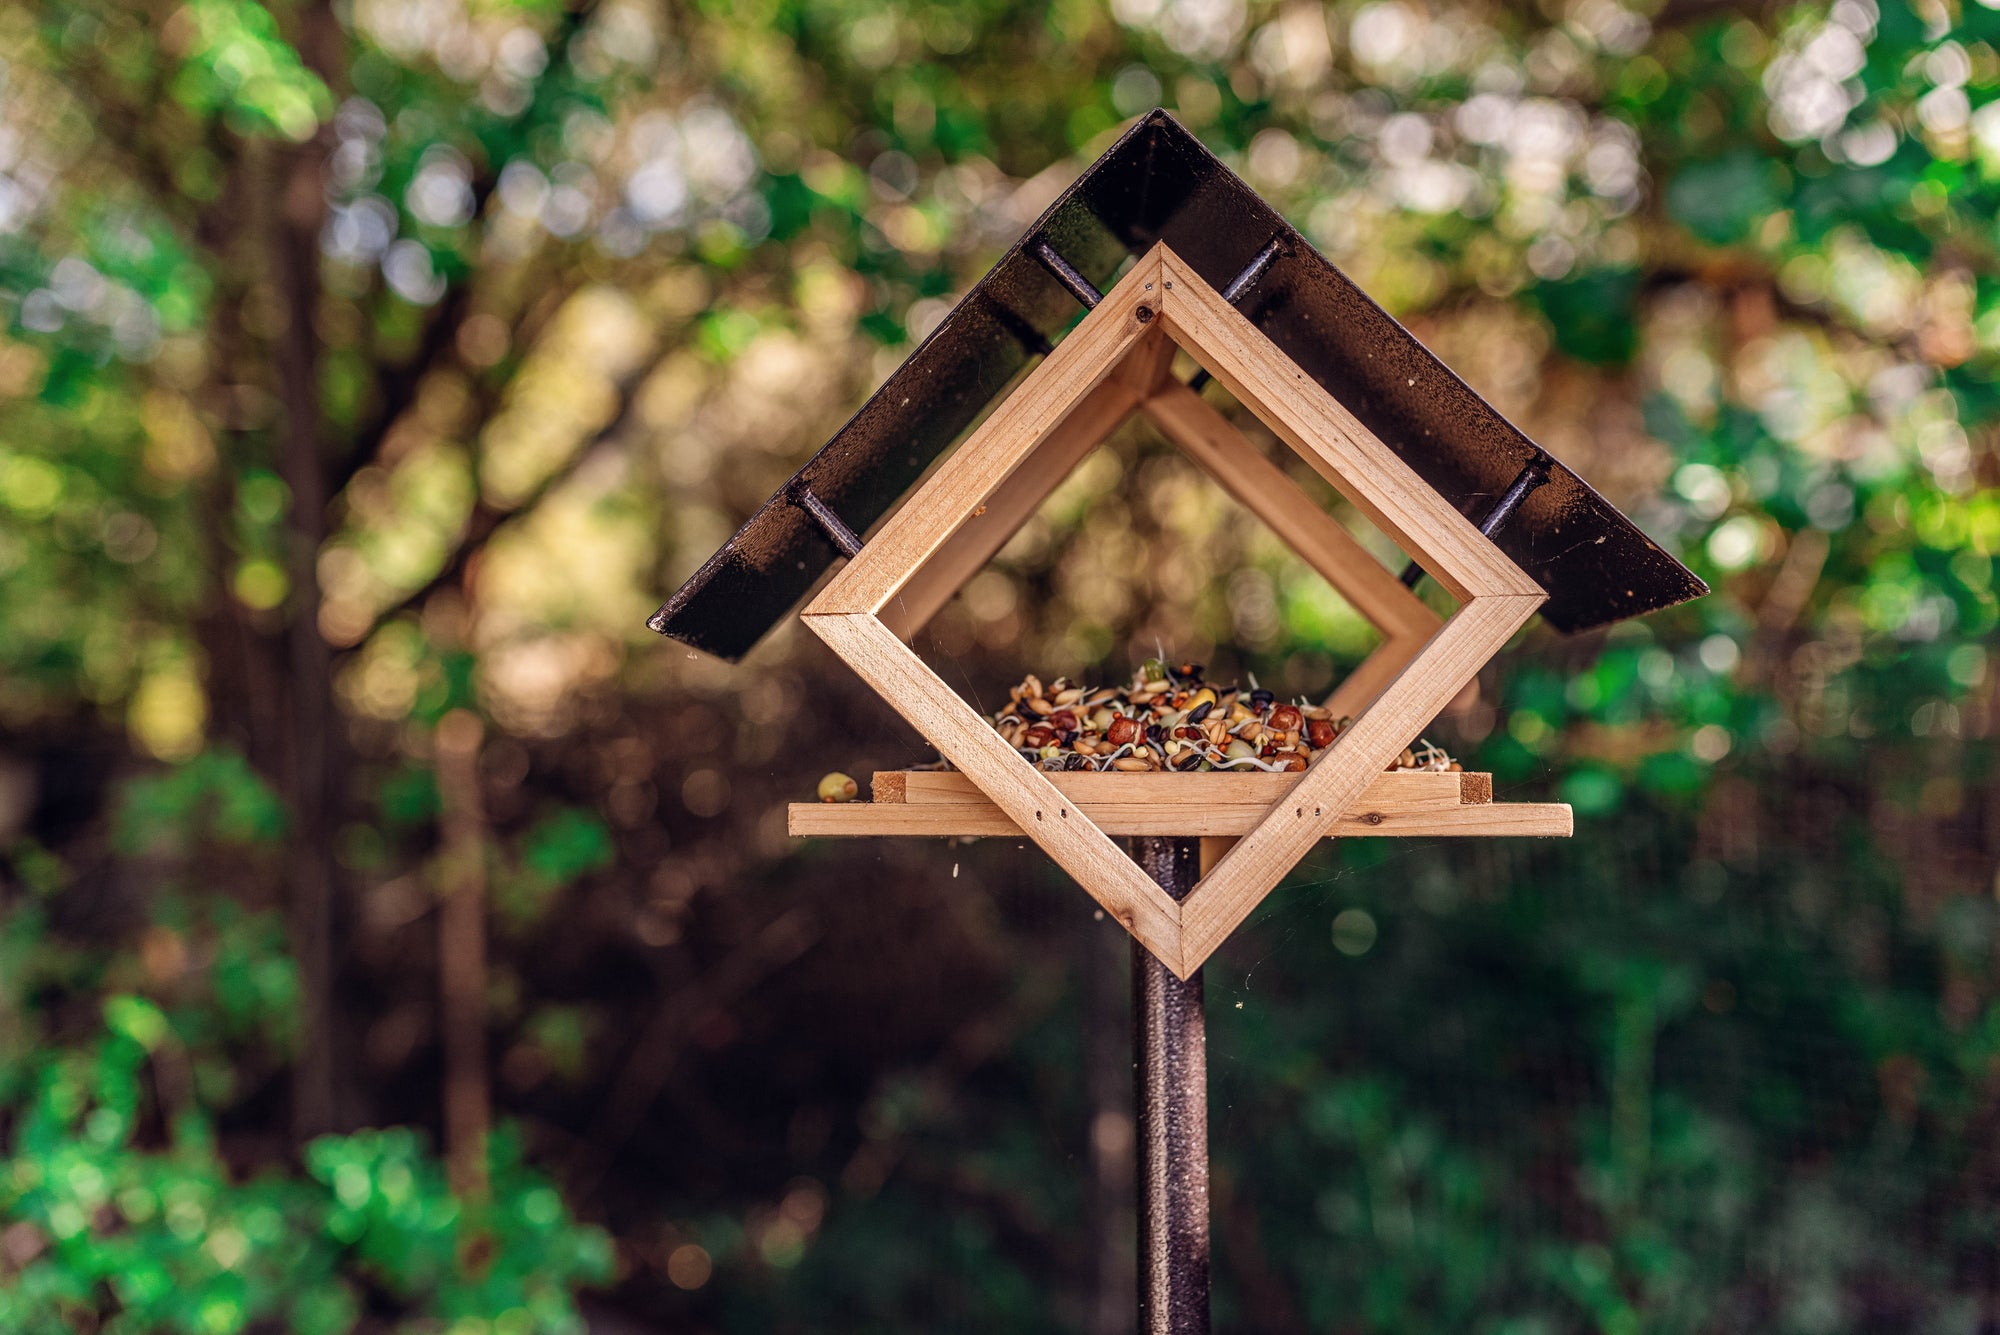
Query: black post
(1171, 1069)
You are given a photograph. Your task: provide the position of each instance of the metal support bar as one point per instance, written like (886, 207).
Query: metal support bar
(1533, 475)
(1079, 286)
(1170, 1066)
(1240, 285)
(837, 533)
(1238, 288)
(1021, 331)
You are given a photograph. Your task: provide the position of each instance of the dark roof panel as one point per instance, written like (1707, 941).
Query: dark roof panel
(1158, 183)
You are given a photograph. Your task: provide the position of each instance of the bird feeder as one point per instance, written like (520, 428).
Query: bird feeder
(1210, 270)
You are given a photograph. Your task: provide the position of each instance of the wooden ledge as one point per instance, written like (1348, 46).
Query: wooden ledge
(921, 787)
(946, 803)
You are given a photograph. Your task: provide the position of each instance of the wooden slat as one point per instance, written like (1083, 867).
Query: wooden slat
(1210, 806)
(1023, 793)
(1496, 596)
(1333, 440)
(967, 819)
(1371, 677)
(1337, 779)
(976, 469)
(966, 552)
(1209, 788)
(1150, 363)
(1262, 488)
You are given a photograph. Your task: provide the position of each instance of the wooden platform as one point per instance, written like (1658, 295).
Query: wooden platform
(942, 803)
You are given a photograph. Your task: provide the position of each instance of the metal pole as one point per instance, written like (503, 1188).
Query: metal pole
(1171, 1078)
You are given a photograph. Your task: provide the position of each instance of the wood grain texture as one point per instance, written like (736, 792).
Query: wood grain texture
(969, 819)
(1011, 504)
(1333, 440)
(1262, 488)
(1150, 363)
(1420, 671)
(1405, 791)
(1023, 793)
(1358, 689)
(1341, 774)
(1009, 436)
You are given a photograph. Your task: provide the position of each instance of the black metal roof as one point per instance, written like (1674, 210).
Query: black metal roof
(1158, 183)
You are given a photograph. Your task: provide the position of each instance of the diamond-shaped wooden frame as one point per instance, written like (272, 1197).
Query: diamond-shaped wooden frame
(1115, 360)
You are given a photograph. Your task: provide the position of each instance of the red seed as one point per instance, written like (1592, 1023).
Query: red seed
(1122, 730)
(1063, 720)
(1290, 760)
(1040, 735)
(1285, 717)
(1320, 733)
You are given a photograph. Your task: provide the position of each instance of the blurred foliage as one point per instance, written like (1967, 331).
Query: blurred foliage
(541, 299)
(123, 1213)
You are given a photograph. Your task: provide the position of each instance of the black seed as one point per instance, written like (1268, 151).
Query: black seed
(1156, 734)
(1261, 699)
(1201, 713)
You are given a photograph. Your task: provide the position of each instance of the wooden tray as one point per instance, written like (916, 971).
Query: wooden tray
(939, 803)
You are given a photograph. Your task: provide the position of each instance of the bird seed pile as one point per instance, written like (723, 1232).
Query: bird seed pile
(1169, 718)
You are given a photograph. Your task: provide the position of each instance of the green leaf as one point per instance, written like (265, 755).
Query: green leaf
(1720, 201)
(1593, 791)
(409, 797)
(137, 1019)
(567, 844)
(1592, 314)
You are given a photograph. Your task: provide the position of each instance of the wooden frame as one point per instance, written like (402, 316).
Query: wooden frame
(1118, 358)
(1208, 806)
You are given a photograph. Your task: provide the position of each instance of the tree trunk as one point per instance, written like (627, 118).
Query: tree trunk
(312, 763)
(462, 953)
